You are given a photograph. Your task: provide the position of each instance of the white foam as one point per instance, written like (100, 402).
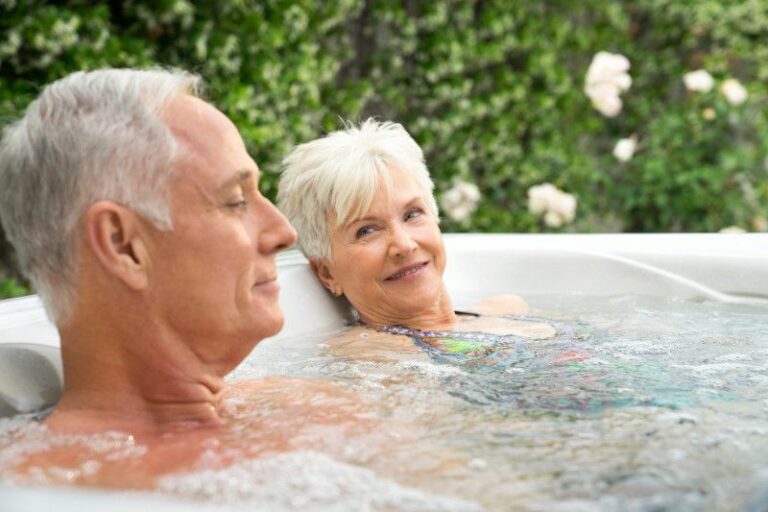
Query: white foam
(718, 368)
(20, 437)
(306, 480)
(431, 369)
(734, 357)
(679, 418)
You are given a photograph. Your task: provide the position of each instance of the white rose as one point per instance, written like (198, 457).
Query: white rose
(552, 219)
(460, 213)
(540, 198)
(698, 81)
(468, 191)
(625, 149)
(604, 65)
(606, 79)
(566, 206)
(606, 102)
(734, 92)
(553, 205)
(461, 200)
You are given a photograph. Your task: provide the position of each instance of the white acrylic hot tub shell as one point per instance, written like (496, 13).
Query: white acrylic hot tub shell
(715, 266)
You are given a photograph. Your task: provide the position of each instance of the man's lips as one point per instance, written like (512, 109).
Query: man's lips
(406, 271)
(268, 283)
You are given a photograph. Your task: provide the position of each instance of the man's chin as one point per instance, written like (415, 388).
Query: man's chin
(270, 323)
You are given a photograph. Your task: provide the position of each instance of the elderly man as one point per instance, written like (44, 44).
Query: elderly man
(135, 210)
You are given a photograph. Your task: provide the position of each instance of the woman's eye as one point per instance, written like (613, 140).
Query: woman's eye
(413, 213)
(364, 231)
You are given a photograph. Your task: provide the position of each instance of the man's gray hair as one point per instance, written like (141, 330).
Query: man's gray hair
(337, 177)
(90, 136)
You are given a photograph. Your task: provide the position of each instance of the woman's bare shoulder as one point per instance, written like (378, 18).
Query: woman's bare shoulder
(506, 304)
(362, 342)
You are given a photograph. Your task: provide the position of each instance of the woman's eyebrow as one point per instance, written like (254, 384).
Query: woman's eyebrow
(372, 218)
(367, 218)
(415, 199)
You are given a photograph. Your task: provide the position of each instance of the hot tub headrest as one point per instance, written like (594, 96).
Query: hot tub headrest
(30, 378)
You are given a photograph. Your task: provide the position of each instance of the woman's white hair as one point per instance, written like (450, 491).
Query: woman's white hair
(87, 137)
(335, 179)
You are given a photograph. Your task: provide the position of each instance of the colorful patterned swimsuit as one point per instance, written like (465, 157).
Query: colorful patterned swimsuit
(562, 372)
(478, 350)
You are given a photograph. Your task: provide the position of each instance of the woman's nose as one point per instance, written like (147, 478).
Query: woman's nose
(402, 242)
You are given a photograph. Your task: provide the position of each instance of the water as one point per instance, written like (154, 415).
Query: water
(638, 403)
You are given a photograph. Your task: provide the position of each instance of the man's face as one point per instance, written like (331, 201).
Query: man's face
(214, 274)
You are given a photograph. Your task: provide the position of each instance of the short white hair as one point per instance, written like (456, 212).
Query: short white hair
(89, 136)
(337, 177)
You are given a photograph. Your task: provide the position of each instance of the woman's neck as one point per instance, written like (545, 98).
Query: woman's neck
(438, 315)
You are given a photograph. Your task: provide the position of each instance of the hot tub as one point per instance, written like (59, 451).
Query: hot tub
(720, 268)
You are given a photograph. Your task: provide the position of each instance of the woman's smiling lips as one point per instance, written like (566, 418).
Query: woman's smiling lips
(406, 271)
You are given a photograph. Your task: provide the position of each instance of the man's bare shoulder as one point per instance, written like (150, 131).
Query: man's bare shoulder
(280, 385)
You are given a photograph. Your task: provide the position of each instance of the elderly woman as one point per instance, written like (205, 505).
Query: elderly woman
(361, 200)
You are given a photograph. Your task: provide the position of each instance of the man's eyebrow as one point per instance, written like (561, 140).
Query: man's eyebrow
(239, 177)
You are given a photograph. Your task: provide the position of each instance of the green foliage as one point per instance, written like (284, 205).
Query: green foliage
(495, 96)
(491, 89)
(11, 288)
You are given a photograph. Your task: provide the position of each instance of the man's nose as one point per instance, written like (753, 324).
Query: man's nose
(402, 242)
(277, 233)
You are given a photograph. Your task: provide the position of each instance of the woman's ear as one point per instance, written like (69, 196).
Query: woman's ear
(114, 234)
(324, 274)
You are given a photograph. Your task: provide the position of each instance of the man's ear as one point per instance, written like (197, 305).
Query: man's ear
(114, 235)
(324, 274)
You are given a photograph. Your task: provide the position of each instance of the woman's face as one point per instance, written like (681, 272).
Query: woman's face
(389, 263)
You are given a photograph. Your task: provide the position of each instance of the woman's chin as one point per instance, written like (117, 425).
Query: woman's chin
(416, 306)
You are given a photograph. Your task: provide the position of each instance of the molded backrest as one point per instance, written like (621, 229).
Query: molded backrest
(30, 378)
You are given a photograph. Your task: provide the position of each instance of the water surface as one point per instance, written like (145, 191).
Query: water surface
(638, 404)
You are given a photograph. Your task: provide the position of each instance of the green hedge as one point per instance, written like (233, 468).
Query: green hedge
(493, 90)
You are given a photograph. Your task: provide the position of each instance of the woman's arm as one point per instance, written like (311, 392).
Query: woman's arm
(507, 304)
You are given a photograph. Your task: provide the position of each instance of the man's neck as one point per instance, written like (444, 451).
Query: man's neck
(114, 381)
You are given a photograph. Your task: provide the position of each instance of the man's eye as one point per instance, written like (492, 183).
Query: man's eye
(237, 204)
(364, 231)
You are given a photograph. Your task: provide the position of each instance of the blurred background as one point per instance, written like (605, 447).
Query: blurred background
(534, 115)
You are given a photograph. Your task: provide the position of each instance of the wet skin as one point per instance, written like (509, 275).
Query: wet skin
(162, 316)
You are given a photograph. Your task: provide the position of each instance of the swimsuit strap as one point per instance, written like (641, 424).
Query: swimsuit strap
(526, 318)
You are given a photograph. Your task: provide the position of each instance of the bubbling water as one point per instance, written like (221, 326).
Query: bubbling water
(664, 408)
(307, 480)
(636, 404)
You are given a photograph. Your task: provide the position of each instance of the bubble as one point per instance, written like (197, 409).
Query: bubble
(307, 480)
(477, 464)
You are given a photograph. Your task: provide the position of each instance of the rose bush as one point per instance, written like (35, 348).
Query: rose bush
(499, 94)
